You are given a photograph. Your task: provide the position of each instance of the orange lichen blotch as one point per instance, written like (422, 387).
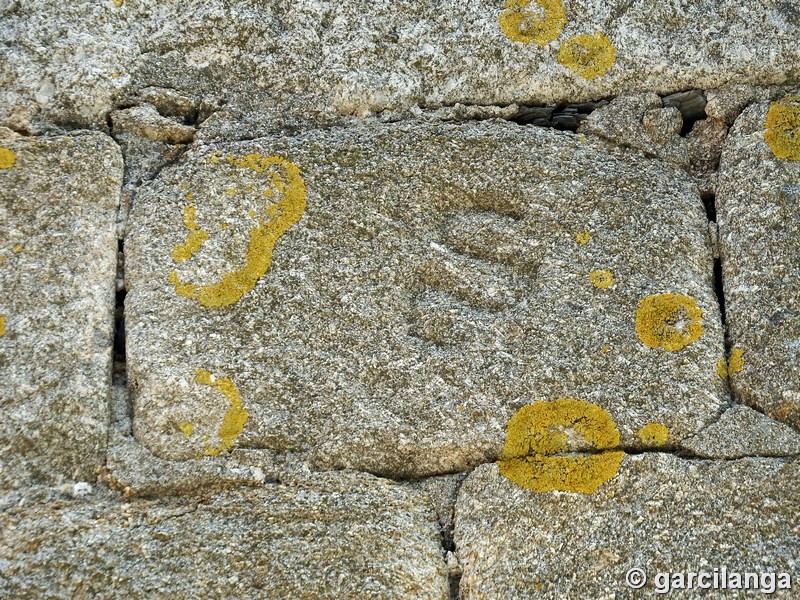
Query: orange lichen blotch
(539, 25)
(538, 432)
(235, 418)
(783, 128)
(7, 158)
(733, 365)
(588, 55)
(602, 279)
(669, 321)
(290, 189)
(654, 434)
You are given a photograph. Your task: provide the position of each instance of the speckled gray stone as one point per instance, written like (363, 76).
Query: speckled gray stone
(742, 431)
(759, 225)
(302, 61)
(339, 535)
(660, 513)
(58, 203)
(432, 287)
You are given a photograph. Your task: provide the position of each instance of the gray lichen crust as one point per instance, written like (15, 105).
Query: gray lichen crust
(337, 536)
(660, 513)
(439, 278)
(759, 220)
(58, 202)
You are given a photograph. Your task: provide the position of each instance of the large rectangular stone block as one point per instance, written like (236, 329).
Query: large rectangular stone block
(302, 61)
(385, 298)
(759, 222)
(338, 536)
(58, 258)
(660, 514)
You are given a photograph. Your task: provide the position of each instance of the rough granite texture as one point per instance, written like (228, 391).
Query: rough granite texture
(440, 278)
(58, 203)
(759, 222)
(742, 431)
(660, 513)
(363, 250)
(338, 535)
(304, 61)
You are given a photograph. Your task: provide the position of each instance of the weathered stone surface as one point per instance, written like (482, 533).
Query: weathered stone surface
(58, 202)
(300, 61)
(742, 431)
(440, 277)
(669, 128)
(336, 536)
(660, 513)
(759, 224)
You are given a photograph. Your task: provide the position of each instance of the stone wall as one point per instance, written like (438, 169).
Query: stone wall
(398, 299)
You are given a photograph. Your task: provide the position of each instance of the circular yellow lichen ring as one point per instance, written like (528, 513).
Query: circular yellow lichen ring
(521, 24)
(669, 321)
(588, 55)
(538, 431)
(783, 128)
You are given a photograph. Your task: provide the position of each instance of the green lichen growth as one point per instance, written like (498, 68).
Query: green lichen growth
(654, 434)
(783, 128)
(537, 433)
(669, 321)
(539, 26)
(588, 55)
(235, 418)
(290, 188)
(7, 158)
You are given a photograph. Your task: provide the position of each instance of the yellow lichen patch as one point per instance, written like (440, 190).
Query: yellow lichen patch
(194, 241)
(605, 348)
(118, 3)
(235, 418)
(783, 128)
(538, 431)
(291, 203)
(733, 365)
(186, 428)
(735, 362)
(654, 434)
(602, 279)
(7, 158)
(539, 25)
(669, 321)
(583, 237)
(722, 368)
(588, 55)
(2, 325)
(18, 248)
